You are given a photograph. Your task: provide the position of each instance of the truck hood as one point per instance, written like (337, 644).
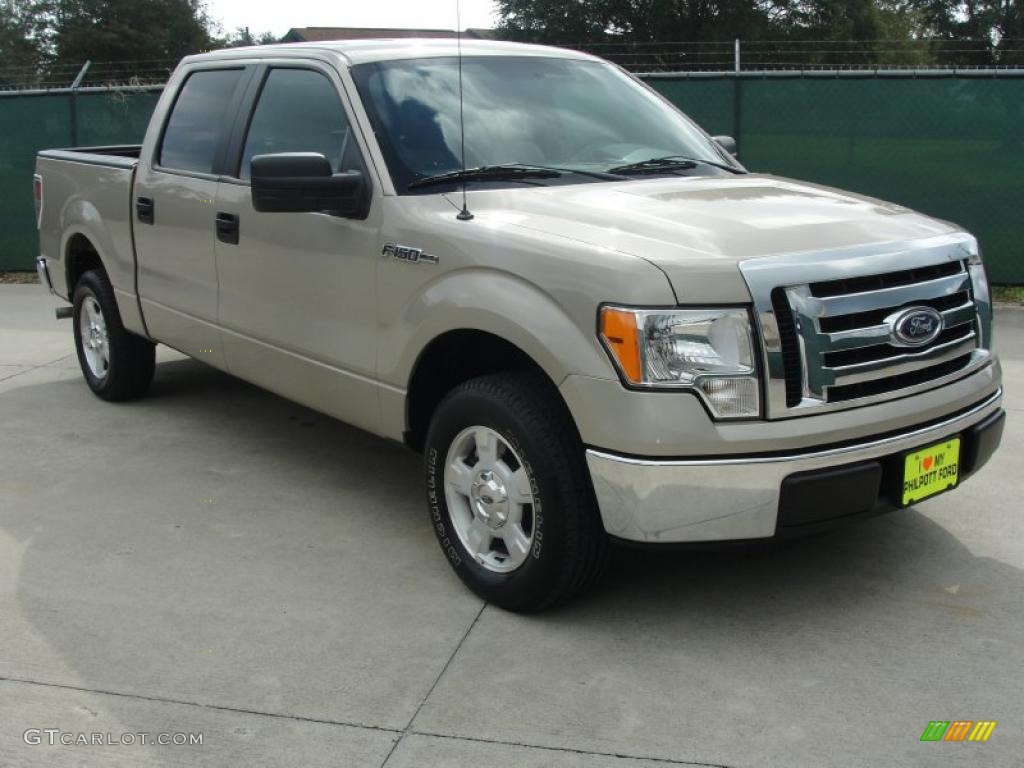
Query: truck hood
(697, 229)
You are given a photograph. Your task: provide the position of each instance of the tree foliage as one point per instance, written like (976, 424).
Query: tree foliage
(1000, 23)
(242, 37)
(20, 43)
(47, 41)
(126, 30)
(994, 22)
(697, 20)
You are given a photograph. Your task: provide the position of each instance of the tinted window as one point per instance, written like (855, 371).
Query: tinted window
(197, 120)
(299, 111)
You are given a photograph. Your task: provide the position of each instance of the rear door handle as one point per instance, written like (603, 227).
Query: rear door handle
(227, 228)
(144, 209)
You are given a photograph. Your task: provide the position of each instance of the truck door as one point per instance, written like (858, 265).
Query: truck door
(297, 290)
(173, 209)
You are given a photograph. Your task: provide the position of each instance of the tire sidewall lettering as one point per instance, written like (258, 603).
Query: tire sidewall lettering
(436, 514)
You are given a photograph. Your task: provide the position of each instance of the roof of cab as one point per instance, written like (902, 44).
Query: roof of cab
(363, 51)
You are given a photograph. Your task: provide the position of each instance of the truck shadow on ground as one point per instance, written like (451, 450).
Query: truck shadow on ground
(872, 553)
(325, 490)
(867, 559)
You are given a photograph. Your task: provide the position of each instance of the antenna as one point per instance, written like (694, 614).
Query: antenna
(464, 214)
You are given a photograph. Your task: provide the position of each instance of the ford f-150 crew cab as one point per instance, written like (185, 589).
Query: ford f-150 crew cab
(591, 319)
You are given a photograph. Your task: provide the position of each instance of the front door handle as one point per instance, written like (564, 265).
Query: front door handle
(144, 209)
(227, 228)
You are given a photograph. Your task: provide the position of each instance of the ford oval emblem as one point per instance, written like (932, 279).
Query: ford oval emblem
(914, 326)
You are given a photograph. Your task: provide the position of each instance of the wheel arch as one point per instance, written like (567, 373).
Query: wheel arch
(80, 255)
(83, 249)
(454, 357)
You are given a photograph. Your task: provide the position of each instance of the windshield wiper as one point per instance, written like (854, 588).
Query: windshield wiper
(668, 163)
(603, 175)
(509, 171)
(487, 173)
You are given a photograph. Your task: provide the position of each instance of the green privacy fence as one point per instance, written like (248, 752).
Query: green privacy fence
(950, 144)
(33, 121)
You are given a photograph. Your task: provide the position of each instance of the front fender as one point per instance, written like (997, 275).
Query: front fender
(501, 304)
(537, 290)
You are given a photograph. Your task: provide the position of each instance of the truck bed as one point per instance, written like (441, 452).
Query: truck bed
(87, 192)
(116, 156)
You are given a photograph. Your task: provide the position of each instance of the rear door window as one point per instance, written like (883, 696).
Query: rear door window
(197, 121)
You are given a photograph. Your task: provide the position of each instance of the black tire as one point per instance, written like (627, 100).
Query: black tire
(131, 358)
(569, 544)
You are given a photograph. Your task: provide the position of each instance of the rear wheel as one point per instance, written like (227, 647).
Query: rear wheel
(509, 494)
(116, 363)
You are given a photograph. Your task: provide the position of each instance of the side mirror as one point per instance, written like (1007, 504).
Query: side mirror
(728, 143)
(304, 182)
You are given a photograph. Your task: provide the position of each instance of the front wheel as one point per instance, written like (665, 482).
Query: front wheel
(116, 364)
(509, 495)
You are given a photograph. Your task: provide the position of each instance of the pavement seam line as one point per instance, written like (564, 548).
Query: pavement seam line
(30, 368)
(454, 653)
(590, 752)
(200, 705)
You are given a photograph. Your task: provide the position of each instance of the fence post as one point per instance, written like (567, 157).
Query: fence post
(74, 101)
(737, 111)
(737, 97)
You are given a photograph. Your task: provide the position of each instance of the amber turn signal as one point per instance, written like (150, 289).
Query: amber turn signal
(620, 333)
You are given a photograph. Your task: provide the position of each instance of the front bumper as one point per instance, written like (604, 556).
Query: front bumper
(729, 498)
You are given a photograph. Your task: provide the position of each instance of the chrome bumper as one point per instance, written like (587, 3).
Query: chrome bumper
(664, 501)
(44, 274)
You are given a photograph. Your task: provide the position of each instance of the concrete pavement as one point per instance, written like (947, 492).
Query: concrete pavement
(214, 559)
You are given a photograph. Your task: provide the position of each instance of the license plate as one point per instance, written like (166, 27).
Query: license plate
(931, 470)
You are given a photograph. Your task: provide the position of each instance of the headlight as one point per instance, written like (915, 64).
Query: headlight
(980, 289)
(707, 350)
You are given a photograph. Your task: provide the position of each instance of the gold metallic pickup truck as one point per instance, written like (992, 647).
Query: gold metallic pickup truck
(589, 317)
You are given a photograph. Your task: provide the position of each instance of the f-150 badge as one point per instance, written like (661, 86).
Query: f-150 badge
(408, 254)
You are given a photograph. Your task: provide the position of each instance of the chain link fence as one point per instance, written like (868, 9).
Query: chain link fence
(945, 142)
(90, 74)
(809, 55)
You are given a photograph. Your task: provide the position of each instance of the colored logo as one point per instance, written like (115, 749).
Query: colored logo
(914, 326)
(958, 730)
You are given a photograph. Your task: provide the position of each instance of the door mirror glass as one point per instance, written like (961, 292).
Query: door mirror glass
(299, 182)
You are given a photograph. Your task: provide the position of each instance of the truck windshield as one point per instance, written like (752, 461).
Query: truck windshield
(550, 112)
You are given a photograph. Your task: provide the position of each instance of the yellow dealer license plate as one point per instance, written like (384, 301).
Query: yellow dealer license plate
(931, 470)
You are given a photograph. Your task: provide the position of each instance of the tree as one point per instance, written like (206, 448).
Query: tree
(45, 42)
(579, 21)
(886, 31)
(1009, 25)
(879, 32)
(128, 30)
(243, 37)
(21, 42)
(998, 25)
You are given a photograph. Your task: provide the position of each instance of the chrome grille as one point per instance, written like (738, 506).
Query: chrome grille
(828, 338)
